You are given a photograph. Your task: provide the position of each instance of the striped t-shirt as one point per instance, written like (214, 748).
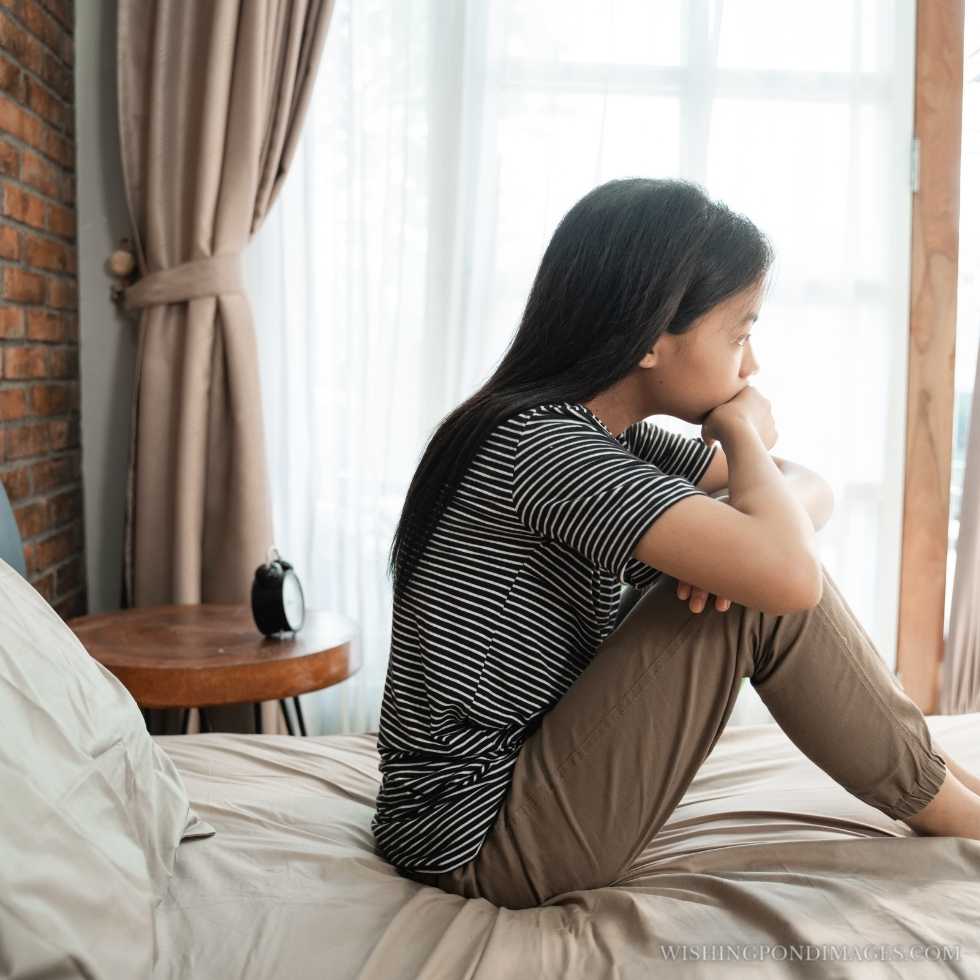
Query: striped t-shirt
(514, 591)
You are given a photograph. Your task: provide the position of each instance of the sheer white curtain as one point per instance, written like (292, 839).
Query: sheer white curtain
(444, 142)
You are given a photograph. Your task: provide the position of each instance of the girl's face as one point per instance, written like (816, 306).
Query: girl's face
(688, 375)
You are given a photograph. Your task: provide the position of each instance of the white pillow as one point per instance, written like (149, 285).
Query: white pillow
(91, 808)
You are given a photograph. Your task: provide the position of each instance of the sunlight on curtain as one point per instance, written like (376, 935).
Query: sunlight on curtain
(444, 143)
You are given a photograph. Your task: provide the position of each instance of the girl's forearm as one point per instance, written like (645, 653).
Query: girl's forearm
(811, 489)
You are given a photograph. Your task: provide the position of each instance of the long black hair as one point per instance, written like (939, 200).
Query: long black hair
(631, 259)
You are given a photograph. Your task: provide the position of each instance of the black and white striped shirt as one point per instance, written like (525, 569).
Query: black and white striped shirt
(515, 590)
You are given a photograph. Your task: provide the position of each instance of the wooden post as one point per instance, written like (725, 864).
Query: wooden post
(932, 347)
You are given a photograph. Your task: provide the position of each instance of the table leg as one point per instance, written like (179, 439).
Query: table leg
(185, 720)
(257, 713)
(285, 714)
(299, 715)
(205, 721)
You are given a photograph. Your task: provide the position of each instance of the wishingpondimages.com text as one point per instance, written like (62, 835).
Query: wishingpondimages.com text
(808, 952)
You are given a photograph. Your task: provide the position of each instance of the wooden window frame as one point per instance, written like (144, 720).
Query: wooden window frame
(932, 348)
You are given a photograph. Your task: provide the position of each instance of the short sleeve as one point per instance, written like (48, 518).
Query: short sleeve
(577, 485)
(675, 454)
(639, 575)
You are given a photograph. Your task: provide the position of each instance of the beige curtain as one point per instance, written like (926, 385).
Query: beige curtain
(212, 96)
(959, 685)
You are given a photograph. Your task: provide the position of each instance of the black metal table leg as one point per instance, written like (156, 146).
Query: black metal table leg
(299, 715)
(257, 712)
(285, 714)
(205, 721)
(185, 720)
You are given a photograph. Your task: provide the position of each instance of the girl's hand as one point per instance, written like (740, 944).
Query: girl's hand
(748, 404)
(699, 597)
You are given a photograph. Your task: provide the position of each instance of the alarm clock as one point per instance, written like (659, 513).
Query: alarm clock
(277, 596)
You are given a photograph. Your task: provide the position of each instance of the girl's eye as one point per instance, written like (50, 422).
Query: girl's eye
(745, 336)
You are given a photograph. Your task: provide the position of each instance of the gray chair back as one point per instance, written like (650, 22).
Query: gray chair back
(11, 547)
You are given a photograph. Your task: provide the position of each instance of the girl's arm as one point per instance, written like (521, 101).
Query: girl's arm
(811, 489)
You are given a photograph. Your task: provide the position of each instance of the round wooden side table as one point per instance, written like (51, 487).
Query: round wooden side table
(199, 656)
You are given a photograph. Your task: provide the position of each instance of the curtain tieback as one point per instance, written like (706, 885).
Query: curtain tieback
(210, 276)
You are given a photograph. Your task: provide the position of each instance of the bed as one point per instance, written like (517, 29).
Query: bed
(764, 849)
(223, 856)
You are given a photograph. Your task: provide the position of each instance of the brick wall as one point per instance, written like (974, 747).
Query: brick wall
(40, 451)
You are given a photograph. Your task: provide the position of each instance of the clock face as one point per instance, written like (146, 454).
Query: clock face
(292, 600)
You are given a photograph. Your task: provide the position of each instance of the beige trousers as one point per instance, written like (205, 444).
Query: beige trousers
(608, 764)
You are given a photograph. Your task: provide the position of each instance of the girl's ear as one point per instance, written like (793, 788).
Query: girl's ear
(655, 355)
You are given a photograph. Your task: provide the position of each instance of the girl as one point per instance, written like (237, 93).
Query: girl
(532, 740)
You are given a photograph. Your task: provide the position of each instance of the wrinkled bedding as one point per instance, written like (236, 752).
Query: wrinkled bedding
(764, 849)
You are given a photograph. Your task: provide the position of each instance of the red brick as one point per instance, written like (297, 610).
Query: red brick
(61, 221)
(42, 102)
(11, 322)
(13, 403)
(40, 173)
(18, 42)
(32, 519)
(40, 454)
(21, 286)
(12, 117)
(62, 295)
(63, 362)
(17, 121)
(9, 159)
(69, 576)
(50, 399)
(40, 23)
(45, 325)
(52, 549)
(65, 507)
(11, 79)
(32, 130)
(57, 75)
(61, 11)
(9, 243)
(25, 362)
(59, 148)
(23, 206)
(52, 474)
(62, 434)
(42, 253)
(31, 439)
(17, 482)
